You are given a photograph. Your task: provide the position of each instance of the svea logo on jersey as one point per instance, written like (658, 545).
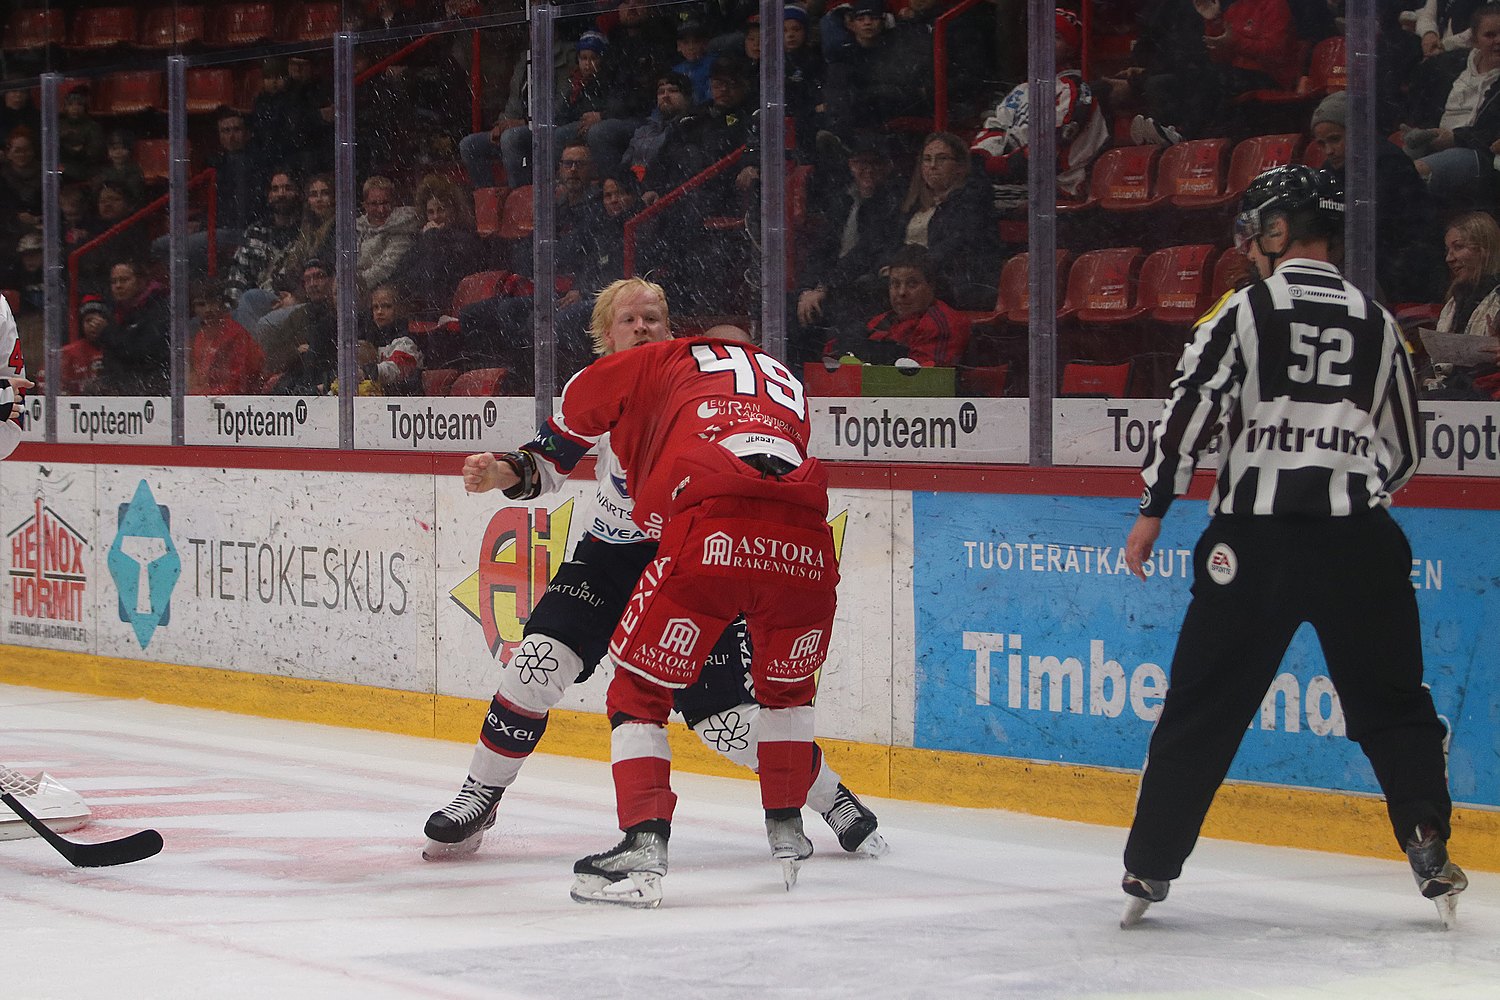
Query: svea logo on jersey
(521, 549)
(1222, 564)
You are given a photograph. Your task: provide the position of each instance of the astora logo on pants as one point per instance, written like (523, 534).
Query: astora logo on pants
(763, 554)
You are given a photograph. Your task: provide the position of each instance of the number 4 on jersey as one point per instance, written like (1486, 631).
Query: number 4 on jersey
(764, 377)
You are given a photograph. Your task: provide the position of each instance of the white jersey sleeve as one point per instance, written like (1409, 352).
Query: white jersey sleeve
(10, 342)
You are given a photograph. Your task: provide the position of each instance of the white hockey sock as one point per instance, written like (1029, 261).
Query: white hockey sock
(732, 733)
(824, 787)
(538, 673)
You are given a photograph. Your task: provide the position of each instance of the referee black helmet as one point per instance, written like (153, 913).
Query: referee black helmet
(1312, 201)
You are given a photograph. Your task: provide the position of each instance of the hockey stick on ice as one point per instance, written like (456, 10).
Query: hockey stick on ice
(136, 847)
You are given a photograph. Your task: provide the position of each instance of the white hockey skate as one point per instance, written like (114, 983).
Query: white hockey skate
(1142, 892)
(457, 829)
(628, 874)
(855, 825)
(61, 808)
(1438, 878)
(789, 845)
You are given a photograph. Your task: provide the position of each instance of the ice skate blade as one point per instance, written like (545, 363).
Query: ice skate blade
(873, 846)
(436, 850)
(1135, 908)
(641, 891)
(789, 869)
(1447, 908)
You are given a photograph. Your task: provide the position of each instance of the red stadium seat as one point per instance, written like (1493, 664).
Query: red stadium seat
(210, 88)
(1015, 286)
(480, 382)
(35, 29)
(1174, 283)
(516, 223)
(238, 24)
(315, 22)
(1087, 378)
(1122, 179)
(987, 380)
(1250, 158)
(154, 157)
(130, 93)
(166, 28)
(476, 288)
(488, 205)
(437, 381)
(1328, 70)
(1101, 285)
(103, 27)
(1192, 173)
(1232, 265)
(246, 87)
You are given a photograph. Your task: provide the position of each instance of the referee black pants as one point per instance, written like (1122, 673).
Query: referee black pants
(1348, 577)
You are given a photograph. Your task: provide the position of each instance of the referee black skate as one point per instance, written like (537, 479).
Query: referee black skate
(1309, 383)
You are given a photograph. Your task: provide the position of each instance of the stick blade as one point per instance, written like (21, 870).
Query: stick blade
(136, 847)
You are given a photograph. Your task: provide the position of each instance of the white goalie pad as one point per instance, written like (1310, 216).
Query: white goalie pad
(52, 802)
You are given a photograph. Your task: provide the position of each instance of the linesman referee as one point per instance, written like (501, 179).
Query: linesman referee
(1308, 382)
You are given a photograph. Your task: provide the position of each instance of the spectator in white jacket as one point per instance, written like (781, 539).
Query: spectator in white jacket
(386, 232)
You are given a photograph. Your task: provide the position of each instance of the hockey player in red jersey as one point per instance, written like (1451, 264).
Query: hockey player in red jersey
(713, 435)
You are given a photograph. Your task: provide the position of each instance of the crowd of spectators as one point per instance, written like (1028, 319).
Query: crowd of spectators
(901, 228)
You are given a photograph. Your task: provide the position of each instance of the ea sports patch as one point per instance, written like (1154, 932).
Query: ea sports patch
(1222, 563)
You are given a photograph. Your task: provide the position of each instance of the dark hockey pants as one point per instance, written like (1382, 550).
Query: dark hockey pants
(1349, 578)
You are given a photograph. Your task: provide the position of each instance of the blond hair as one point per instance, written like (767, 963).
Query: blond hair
(604, 308)
(1479, 229)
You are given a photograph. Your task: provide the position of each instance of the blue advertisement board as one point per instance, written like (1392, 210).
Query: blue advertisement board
(1034, 641)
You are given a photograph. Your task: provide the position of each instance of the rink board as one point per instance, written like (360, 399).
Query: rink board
(383, 600)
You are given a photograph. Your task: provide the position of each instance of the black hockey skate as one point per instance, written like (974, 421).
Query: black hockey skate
(457, 829)
(1438, 878)
(855, 825)
(628, 874)
(1142, 892)
(789, 843)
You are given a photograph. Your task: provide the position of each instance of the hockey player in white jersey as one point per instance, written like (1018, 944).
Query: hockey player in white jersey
(43, 795)
(569, 630)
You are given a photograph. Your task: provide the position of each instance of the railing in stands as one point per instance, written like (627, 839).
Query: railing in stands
(940, 61)
(207, 177)
(676, 194)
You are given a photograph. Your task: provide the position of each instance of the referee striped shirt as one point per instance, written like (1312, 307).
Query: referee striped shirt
(1309, 386)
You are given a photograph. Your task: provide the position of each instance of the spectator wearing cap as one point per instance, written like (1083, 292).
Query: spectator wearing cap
(803, 67)
(1003, 144)
(1408, 241)
(849, 227)
(80, 139)
(872, 80)
(673, 101)
(224, 359)
(581, 100)
(82, 357)
(137, 355)
(702, 138)
(697, 60)
(26, 275)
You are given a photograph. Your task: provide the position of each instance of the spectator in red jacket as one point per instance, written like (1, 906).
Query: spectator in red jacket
(226, 360)
(919, 325)
(81, 358)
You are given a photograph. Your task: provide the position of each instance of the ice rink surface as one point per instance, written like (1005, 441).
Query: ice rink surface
(293, 869)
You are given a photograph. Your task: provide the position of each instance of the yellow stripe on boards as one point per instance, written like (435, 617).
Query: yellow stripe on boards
(1264, 814)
